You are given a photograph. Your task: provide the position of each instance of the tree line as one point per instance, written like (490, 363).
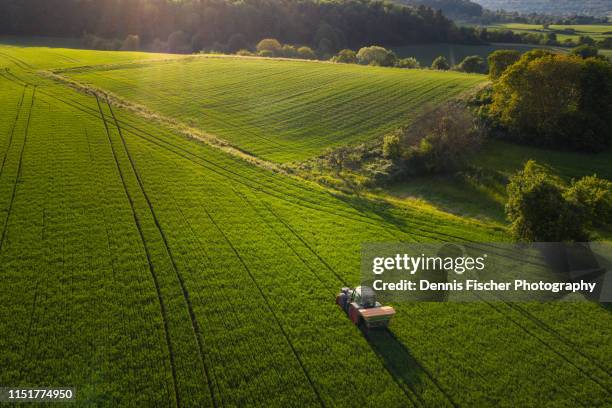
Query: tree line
(205, 23)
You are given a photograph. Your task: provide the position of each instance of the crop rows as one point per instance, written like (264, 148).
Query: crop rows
(148, 269)
(282, 111)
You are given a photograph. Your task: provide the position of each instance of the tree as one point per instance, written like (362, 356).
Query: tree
(593, 196)
(179, 42)
(537, 209)
(472, 65)
(409, 62)
(269, 44)
(500, 60)
(289, 51)
(306, 53)
(131, 43)
(557, 101)
(375, 55)
(236, 42)
(585, 51)
(441, 64)
(441, 139)
(345, 56)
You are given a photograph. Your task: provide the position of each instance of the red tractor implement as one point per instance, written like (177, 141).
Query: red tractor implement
(362, 308)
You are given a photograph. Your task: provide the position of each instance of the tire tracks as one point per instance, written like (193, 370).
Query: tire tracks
(195, 325)
(160, 299)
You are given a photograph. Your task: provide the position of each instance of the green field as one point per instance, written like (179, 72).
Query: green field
(148, 269)
(279, 110)
(595, 31)
(480, 191)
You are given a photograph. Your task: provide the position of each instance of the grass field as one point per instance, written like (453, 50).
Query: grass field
(279, 110)
(595, 31)
(480, 192)
(148, 269)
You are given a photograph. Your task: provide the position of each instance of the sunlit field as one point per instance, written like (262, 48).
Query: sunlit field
(145, 268)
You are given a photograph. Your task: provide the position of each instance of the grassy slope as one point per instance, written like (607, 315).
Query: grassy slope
(246, 263)
(280, 110)
(481, 192)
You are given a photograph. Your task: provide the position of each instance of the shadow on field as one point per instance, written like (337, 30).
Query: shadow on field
(407, 372)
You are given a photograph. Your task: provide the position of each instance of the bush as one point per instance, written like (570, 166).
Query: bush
(500, 60)
(289, 51)
(593, 196)
(409, 62)
(474, 64)
(585, 51)
(131, 43)
(266, 53)
(392, 148)
(537, 210)
(345, 56)
(244, 53)
(376, 55)
(306, 53)
(440, 140)
(440, 64)
(179, 42)
(269, 44)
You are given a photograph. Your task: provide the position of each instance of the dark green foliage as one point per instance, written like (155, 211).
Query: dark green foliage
(441, 64)
(558, 101)
(237, 42)
(179, 42)
(537, 210)
(500, 60)
(593, 196)
(474, 64)
(585, 51)
(326, 26)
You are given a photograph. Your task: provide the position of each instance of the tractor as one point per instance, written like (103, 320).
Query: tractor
(362, 308)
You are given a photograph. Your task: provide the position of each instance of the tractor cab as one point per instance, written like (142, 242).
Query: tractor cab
(362, 308)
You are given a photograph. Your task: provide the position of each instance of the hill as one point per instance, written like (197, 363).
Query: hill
(279, 110)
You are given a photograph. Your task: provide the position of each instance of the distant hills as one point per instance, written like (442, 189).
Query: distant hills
(598, 8)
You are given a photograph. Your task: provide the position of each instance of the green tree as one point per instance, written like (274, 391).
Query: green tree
(236, 42)
(555, 100)
(306, 53)
(346, 56)
(537, 209)
(269, 44)
(585, 51)
(179, 42)
(409, 62)
(131, 43)
(474, 64)
(376, 55)
(441, 64)
(500, 60)
(593, 196)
